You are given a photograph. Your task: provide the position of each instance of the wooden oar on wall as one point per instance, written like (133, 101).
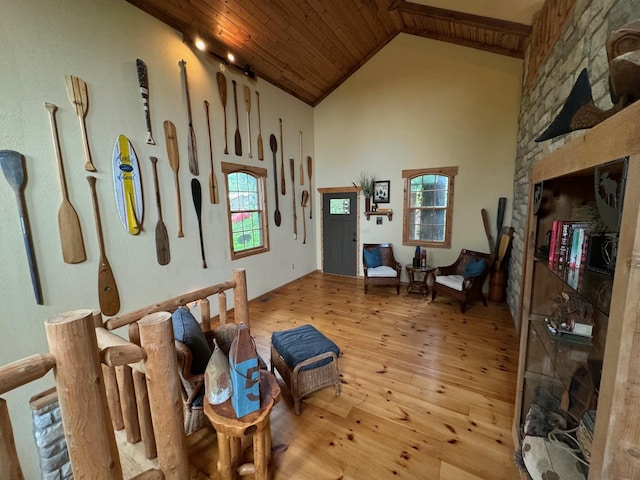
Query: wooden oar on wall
(309, 168)
(237, 137)
(222, 90)
(213, 180)
(247, 106)
(283, 185)
(293, 197)
(174, 161)
(192, 148)
(68, 222)
(260, 146)
(163, 253)
(79, 98)
(277, 218)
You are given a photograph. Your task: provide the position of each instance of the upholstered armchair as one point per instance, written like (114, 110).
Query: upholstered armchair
(380, 266)
(463, 279)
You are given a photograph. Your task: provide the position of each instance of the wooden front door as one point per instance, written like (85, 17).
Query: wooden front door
(340, 232)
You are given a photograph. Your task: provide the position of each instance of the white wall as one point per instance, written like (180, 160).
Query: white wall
(99, 41)
(423, 103)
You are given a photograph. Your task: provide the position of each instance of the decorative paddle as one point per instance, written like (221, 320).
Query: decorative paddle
(163, 253)
(301, 167)
(192, 148)
(274, 148)
(174, 160)
(79, 98)
(213, 181)
(487, 228)
(222, 89)
(12, 164)
(237, 138)
(108, 296)
(143, 81)
(283, 186)
(68, 222)
(247, 106)
(293, 197)
(309, 165)
(260, 146)
(196, 195)
(305, 199)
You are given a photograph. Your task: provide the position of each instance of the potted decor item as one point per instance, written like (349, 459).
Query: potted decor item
(366, 184)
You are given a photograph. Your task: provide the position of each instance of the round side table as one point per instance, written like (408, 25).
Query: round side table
(230, 431)
(418, 277)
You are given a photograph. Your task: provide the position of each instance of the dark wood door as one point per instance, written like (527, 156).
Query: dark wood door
(339, 233)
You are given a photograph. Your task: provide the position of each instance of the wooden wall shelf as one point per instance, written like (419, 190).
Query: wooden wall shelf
(378, 213)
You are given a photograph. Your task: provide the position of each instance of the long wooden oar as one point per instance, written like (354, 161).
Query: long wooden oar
(143, 81)
(68, 221)
(309, 168)
(237, 138)
(301, 167)
(213, 181)
(293, 197)
(163, 253)
(174, 160)
(274, 148)
(247, 107)
(305, 199)
(283, 184)
(79, 98)
(108, 296)
(196, 195)
(260, 146)
(192, 148)
(12, 164)
(222, 90)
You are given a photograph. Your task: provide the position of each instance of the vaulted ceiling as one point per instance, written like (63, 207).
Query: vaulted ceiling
(309, 47)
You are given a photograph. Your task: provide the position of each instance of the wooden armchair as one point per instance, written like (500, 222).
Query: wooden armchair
(380, 266)
(464, 278)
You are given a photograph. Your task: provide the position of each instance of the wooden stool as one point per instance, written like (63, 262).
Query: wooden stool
(231, 430)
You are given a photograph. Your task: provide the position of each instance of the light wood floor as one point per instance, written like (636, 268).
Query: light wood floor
(427, 393)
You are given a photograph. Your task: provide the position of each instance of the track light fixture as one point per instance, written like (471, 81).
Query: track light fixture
(228, 59)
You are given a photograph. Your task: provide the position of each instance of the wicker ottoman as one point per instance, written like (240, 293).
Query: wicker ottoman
(306, 360)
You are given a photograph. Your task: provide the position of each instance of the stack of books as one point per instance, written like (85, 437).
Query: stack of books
(568, 248)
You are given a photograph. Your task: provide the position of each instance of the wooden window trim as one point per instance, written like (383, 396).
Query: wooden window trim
(261, 175)
(449, 172)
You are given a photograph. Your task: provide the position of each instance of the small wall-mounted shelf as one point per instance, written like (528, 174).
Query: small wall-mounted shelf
(380, 213)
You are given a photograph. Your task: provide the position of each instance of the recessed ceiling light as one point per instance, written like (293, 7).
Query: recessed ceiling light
(200, 45)
(231, 57)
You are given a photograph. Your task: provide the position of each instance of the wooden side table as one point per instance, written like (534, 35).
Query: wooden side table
(418, 277)
(230, 431)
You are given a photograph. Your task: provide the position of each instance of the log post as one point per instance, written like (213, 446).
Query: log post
(205, 314)
(222, 308)
(144, 414)
(8, 454)
(128, 403)
(81, 393)
(161, 367)
(240, 301)
(113, 396)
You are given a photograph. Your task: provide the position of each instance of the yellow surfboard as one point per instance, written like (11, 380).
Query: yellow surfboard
(127, 185)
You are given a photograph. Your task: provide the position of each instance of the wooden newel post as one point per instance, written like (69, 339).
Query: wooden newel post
(161, 368)
(240, 302)
(11, 469)
(81, 393)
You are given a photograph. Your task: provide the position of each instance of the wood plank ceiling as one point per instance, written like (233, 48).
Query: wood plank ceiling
(309, 47)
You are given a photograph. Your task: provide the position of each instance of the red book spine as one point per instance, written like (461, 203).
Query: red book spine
(552, 243)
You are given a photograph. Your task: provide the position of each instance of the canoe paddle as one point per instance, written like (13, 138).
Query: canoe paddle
(213, 181)
(293, 197)
(162, 237)
(143, 82)
(301, 167)
(247, 107)
(274, 148)
(79, 98)
(196, 195)
(309, 165)
(192, 148)
(305, 199)
(222, 90)
(238, 138)
(68, 221)
(108, 297)
(283, 185)
(260, 146)
(12, 164)
(174, 161)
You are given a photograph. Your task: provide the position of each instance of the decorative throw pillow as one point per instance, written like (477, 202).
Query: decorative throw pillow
(474, 268)
(187, 330)
(372, 257)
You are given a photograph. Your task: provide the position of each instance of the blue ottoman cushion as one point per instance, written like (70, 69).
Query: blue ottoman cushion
(302, 343)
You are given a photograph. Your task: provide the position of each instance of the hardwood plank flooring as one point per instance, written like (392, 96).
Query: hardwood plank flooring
(427, 393)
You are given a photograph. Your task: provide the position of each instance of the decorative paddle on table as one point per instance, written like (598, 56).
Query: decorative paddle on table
(108, 296)
(274, 148)
(143, 81)
(293, 197)
(196, 195)
(79, 98)
(283, 186)
(68, 222)
(237, 138)
(222, 89)
(260, 146)
(213, 181)
(12, 164)
(174, 160)
(163, 253)
(192, 148)
(247, 106)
